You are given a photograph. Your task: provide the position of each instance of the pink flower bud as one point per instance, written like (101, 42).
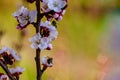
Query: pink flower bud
(56, 15)
(59, 18)
(4, 77)
(49, 47)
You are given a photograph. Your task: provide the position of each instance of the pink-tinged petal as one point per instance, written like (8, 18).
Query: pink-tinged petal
(19, 27)
(56, 15)
(59, 18)
(49, 47)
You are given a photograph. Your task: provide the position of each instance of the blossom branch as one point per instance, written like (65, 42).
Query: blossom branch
(46, 32)
(6, 70)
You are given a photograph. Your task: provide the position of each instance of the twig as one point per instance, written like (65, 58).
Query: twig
(37, 58)
(6, 70)
(38, 67)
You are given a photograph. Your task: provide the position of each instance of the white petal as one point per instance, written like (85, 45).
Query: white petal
(32, 15)
(45, 1)
(45, 40)
(51, 6)
(14, 70)
(53, 33)
(35, 38)
(63, 12)
(16, 13)
(62, 4)
(42, 46)
(60, 18)
(4, 49)
(57, 9)
(25, 11)
(13, 53)
(34, 45)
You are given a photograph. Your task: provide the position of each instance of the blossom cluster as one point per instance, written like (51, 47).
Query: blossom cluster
(52, 10)
(43, 39)
(8, 57)
(46, 33)
(24, 17)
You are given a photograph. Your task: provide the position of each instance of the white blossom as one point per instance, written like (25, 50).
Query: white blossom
(47, 61)
(4, 49)
(56, 5)
(14, 54)
(4, 77)
(16, 70)
(24, 16)
(45, 7)
(43, 43)
(39, 42)
(35, 41)
(10, 51)
(43, 39)
(52, 30)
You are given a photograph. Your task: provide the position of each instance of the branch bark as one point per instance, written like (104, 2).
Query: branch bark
(37, 26)
(7, 70)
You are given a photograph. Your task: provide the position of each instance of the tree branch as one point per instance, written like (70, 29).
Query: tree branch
(37, 26)
(6, 70)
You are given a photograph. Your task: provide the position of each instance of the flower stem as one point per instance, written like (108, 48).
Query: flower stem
(7, 71)
(38, 67)
(37, 58)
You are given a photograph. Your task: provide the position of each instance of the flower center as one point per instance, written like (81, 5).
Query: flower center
(46, 7)
(44, 31)
(49, 61)
(27, 17)
(56, 4)
(38, 41)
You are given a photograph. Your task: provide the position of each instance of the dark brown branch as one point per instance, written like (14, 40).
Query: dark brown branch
(38, 67)
(37, 26)
(6, 70)
(44, 68)
(38, 13)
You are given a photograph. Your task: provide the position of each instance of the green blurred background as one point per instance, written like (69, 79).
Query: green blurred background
(79, 43)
